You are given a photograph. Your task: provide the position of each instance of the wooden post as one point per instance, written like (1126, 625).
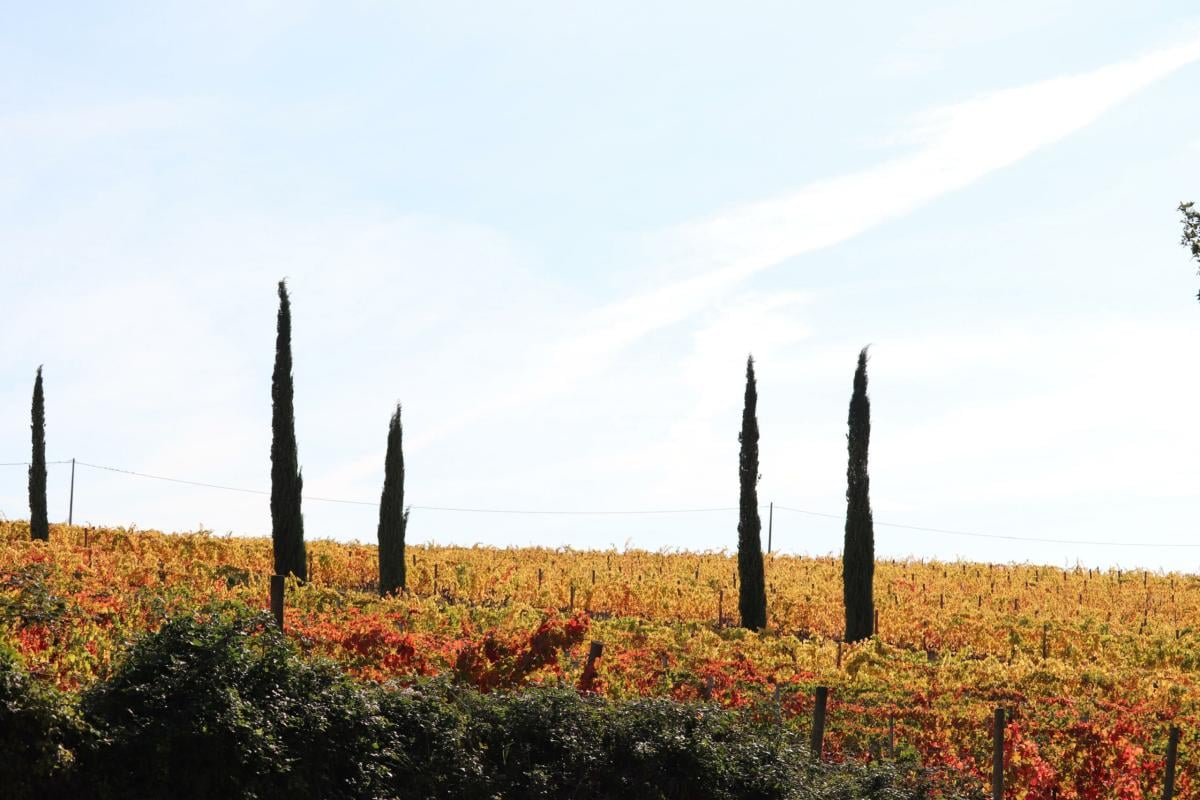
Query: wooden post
(770, 525)
(277, 599)
(839, 654)
(875, 630)
(818, 727)
(1045, 640)
(539, 578)
(310, 569)
(778, 705)
(1169, 769)
(593, 577)
(708, 687)
(572, 597)
(891, 738)
(663, 658)
(71, 503)
(589, 669)
(720, 608)
(998, 755)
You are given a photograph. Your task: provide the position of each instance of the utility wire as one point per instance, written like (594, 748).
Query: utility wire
(598, 512)
(996, 535)
(369, 503)
(590, 512)
(216, 485)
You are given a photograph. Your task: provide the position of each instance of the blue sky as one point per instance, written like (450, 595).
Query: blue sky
(554, 231)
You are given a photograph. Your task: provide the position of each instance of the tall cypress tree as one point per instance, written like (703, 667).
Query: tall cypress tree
(752, 591)
(39, 524)
(858, 556)
(287, 523)
(393, 519)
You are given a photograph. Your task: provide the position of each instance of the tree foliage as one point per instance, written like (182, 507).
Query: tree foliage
(858, 555)
(287, 483)
(752, 592)
(393, 519)
(1191, 231)
(39, 523)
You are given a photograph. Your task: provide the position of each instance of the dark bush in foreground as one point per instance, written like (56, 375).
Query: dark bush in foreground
(227, 707)
(36, 732)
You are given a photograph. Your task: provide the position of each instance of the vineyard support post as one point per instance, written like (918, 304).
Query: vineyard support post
(818, 727)
(770, 525)
(998, 755)
(589, 669)
(277, 599)
(720, 608)
(1169, 769)
(891, 738)
(71, 502)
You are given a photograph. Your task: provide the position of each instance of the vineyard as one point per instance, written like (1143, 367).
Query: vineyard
(1091, 666)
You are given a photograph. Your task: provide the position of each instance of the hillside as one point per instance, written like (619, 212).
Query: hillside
(1091, 666)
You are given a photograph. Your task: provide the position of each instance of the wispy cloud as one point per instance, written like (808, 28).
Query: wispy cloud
(955, 146)
(87, 122)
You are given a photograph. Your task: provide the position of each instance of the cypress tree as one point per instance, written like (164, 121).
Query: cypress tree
(287, 523)
(39, 524)
(752, 591)
(393, 519)
(858, 555)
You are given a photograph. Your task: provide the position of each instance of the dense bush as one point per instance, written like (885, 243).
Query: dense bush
(36, 733)
(225, 706)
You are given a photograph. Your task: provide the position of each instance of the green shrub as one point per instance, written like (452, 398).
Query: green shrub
(36, 730)
(223, 705)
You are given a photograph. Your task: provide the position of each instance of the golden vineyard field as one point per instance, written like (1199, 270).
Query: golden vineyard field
(1092, 666)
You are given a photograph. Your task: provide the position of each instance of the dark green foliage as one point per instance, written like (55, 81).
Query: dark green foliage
(858, 556)
(226, 708)
(752, 591)
(287, 523)
(1191, 231)
(224, 705)
(36, 732)
(393, 519)
(26, 599)
(39, 524)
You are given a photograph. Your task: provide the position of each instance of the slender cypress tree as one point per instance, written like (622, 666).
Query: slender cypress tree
(752, 591)
(39, 524)
(287, 523)
(858, 556)
(393, 519)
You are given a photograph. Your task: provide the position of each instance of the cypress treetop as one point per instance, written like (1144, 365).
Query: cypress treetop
(858, 554)
(39, 524)
(287, 483)
(752, 593)
(393, 519)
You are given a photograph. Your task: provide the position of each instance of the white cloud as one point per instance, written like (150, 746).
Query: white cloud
(958, 145)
